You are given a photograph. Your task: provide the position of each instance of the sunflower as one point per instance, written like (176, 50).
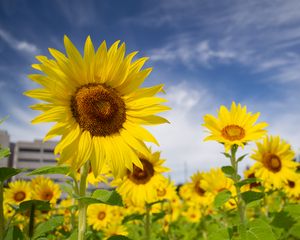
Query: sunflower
(192, 214)
(292, 187)
(45, 189)
(115, 230)
(194, 193)
(215, 182)
(99, 216)
(234, 127)
(140, 185)
(17, 192)
(275, 165)
(97, 104)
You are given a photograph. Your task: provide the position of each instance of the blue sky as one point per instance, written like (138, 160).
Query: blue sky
(207, 53)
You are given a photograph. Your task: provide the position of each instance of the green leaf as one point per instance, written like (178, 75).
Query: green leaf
(48, 226)
(258, 230)
(14, 233)
(118, 237)
(228, 170)
(5, 152)
(248, 181)
(103, 196)
(295, 231)
(241, 158)
(293, 210)
(157, 216)
(133, 217)
(219, 235)
(226, 154)
(6, 173)
(283, 220)
(39, 205)
(74, 235)
(64, 170)
(251, 196)
(222, 198)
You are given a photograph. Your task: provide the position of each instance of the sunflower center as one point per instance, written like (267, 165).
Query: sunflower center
(98, 109)
(140, 176)
(19, 196)
(291, 184)
(101, 215)
(272, 162)
(47, 195)
(200, 191)
(161, 193)
(233, 132)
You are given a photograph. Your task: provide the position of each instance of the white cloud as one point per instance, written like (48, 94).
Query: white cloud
(190, 52)
(18, 45)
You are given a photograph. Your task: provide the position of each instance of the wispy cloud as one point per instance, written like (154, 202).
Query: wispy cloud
(18, 45)
(189, 52)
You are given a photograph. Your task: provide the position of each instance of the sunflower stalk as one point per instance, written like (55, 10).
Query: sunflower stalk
(239, 200)
(148, 222)
(82, 207)
(2, 224)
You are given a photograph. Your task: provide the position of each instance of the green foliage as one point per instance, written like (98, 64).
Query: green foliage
(48, 226)
(257, 230)
(247, 181)
(228, 170)
(222, 198)
(14, 233)
(103, 196)
(5, 152)
(64, 170)
(6, 173)
(118, 237)
(133, 217)
(251, 196)
(219, 234)
(38, 205)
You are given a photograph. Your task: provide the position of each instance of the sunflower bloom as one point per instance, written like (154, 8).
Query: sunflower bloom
(97, 104)
(18, 192)
(275, 165)
(45, 189)
(234, 126)
(99, 216)
(140, 186)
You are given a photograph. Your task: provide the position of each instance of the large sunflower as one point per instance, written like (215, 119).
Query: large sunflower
(140, 185)
(97, 104)
(275, 164)
(234, 126)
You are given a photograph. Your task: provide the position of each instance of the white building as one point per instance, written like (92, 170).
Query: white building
(4, 143)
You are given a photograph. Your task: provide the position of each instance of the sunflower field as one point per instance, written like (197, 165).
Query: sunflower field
(100, 112)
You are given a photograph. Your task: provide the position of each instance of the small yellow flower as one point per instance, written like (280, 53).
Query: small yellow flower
(140, 186)
(234, 126)
(45, 189)
(99, 216)
(18, 191)
(114, 230)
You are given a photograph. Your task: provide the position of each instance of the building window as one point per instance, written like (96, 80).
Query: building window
(48, 150)
(49, 160)
(29, 150)
(29, 160)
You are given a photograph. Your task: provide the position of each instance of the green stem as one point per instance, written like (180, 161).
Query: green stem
(148, 223)
(240, 203)
(82, 207)
(2, 223)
